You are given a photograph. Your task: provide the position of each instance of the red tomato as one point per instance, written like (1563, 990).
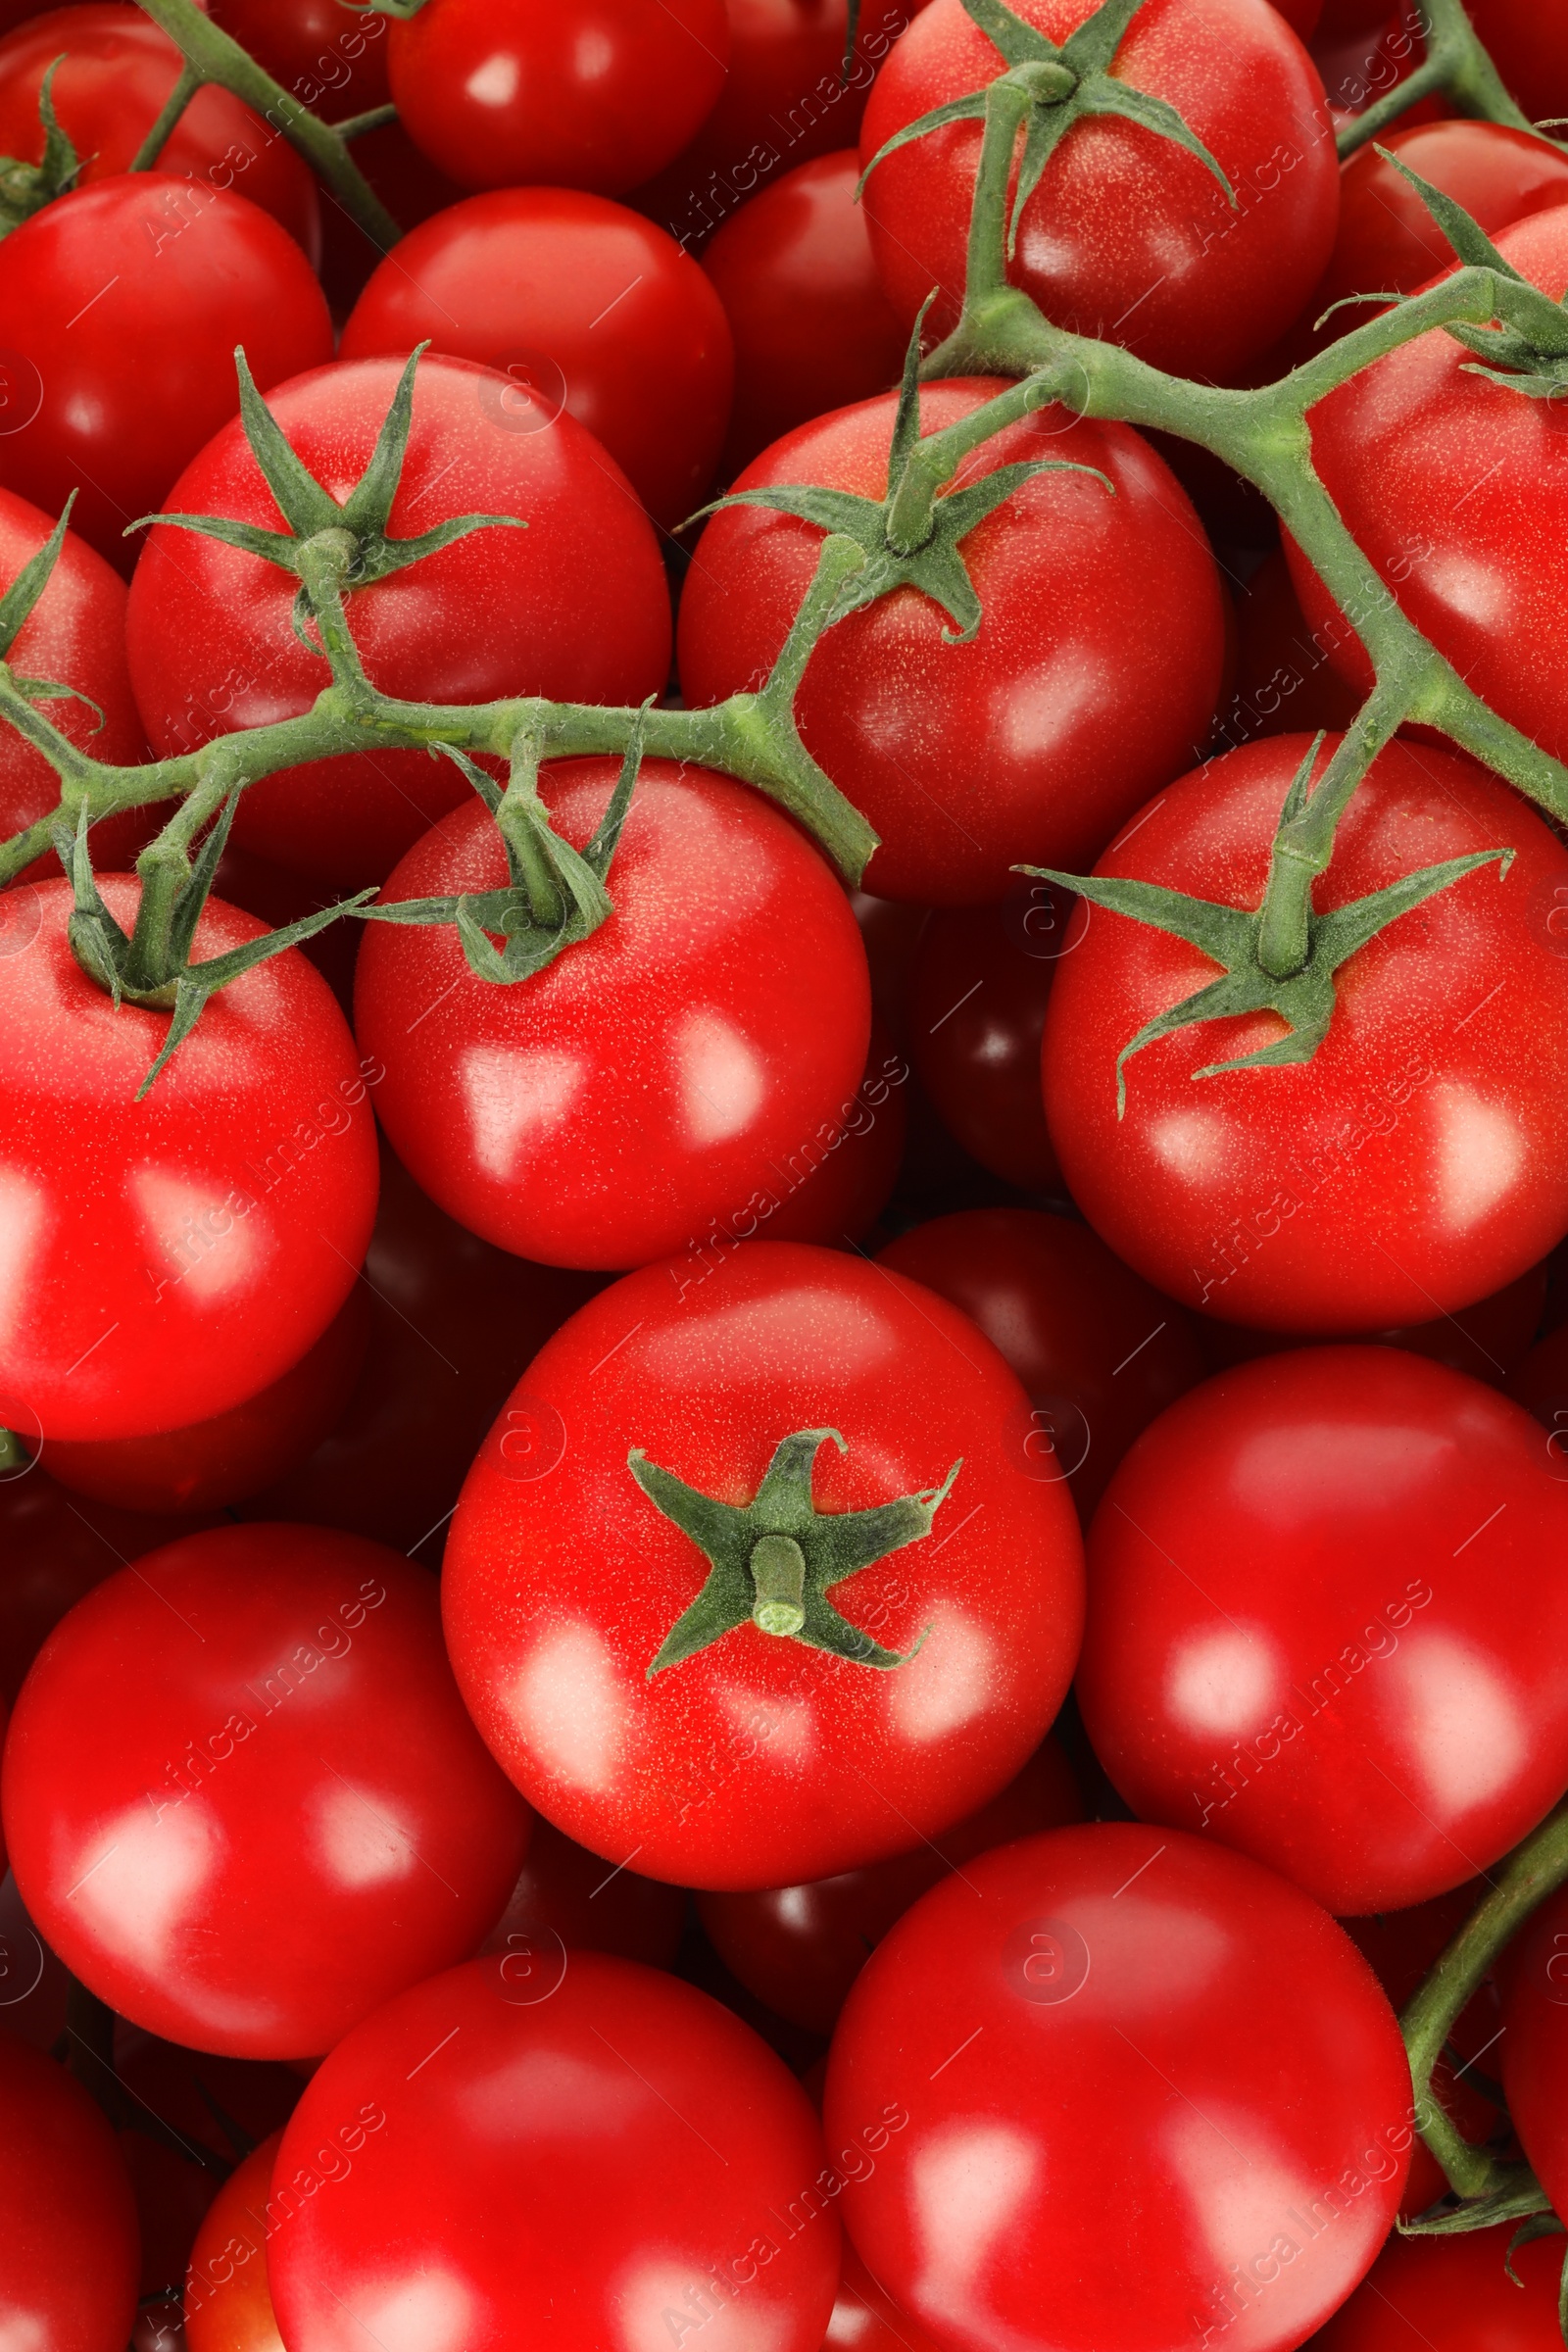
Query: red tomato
(125, 302)
(1097, 1350)
(575, 607)
(1301, 16)
(587, 307)
(756, 1760)
(1127, 234)
(1534, 2049)
(245, 1858)
(1286, 682)
(118, 68)
(1529, 46)
(1455, 2294)
(172, 1257)
(978, 988)
(54, 1547)
(329, 56)
(839, 1181)
(1420, 1160)
(642, 1086)
(1111, 2089)
(1322, 1626)
(865, 2320)
(658, 2172)
(599, 96)
(1539, 1382)
(68, 2226)
(971, 759)
(812, 324)
(226, 2304)
(570, 1900)
(1488, 1340)
(800, 1948)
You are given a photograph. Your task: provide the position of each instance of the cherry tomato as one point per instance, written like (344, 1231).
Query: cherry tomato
(55, 1546)
(574, 607)
(1528, 46)
(1318, 1623)
(660, 2171)
(652, 1081)
(1419, 1161)
(568, 1899)
(1488, 1340)
(68, 2226)
(125, 301)
(1111, 2089)
(813, 327)
(1097, 1350)
(747, 1758)
(587, 307)
(978, 989)
(971, 759)
(497, 91)
(1533, 2052)
(800, 1948)
(172, 1257)
(849, 1170)
(228, 2307)
(284, 1815)
(1127, 235)
(1455, 2294)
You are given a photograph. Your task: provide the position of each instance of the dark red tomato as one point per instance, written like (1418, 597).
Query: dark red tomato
(1321, 1623)
(74, 636)
(835, 1185)
(660, 2171)
(1301, 16)
(284, 1816)
(1534, 2050)
(978, 989)
(1529, 46)
(329, 56)
(1420, 1160)
(599, 96)
(575, 607)
(756, 1760)
(971, 759)
(892, 932)
(1114, 2089)
(1286, 682)
(453, 1324)
(1099, 1352)
(173, 1257)
(1455, 2294)
(585, 305)
(279, 898)
(865, 2320)
(800, 1948)
(813, 327)
(203, 1467)
(55, 1546)
(1539, 1382)
(567, 1899)
(1342, 20)
(68, 2226)
(119, 70)
(1127, 234)
(125, 302)
(641, 1088)
(228, 2307)
(1488, 1340)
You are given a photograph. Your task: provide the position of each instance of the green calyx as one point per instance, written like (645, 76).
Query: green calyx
(1529, 351)
(25, 188)
(19, 601)
(771, 1560)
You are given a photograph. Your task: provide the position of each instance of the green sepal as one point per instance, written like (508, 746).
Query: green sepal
(1519, 2200)
(25, 188)
(831, 1546)
(1534, 328)
(17, 603)
(1537, 2225)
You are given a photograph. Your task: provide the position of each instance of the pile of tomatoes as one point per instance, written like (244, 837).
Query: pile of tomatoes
(788, 1628)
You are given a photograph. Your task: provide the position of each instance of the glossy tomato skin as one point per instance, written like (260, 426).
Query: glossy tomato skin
(1534, 2050)
(1417, 1162)
(965, 764)
(566, 1897)
(584, 305)
(813, 327)
(656, 2141)
(857, 1156)
(184, 1251)
(638, 1091)
(289, 1816)
(226, 2305)
(1530, 50)
(867, 2320)
(119, 397)
(501, 92)
(759, 1762)
(1453, 2294)
(979, 984)
(575, 607)
(1134, 2088)
(119, 70)
(1127, 235)
(1099, 1352)
(1321, 1625)
(68, 2244)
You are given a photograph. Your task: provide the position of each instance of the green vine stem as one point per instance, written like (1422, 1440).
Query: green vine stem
(1456, 66)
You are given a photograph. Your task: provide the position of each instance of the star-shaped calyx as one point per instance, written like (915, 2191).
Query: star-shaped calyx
(771, 1560)
(1529, 351)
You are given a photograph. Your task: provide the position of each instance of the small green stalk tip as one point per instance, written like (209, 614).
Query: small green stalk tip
(778, 1576)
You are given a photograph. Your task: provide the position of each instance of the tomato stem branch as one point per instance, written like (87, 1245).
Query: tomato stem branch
(189, 81)
(1455, 63)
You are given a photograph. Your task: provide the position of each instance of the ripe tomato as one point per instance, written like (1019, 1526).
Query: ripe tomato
(1097, 1350)
(1455, 2294)
(1528, 46)
(1489, 1340)
(1111, 2089)
(118, 68)
(645, 1084)
(1539, 1382)
(284, 1816)
(865, 2320)
(55, 1546)
(1420, 1160)
(840, 1180)
(68, 2226)
(585, 305)
(1127, 235)
(332, 58)
(1286, 682)
(979, 983)
(574, 607)
(658, 2173)
(813, 327)
(568, 1899)
(755, 1759)
(125, 302)
(497, 91)
(1320, 1623)
(1533, 2053)
(226, 2305)
(170, 1257)
(971, 759)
